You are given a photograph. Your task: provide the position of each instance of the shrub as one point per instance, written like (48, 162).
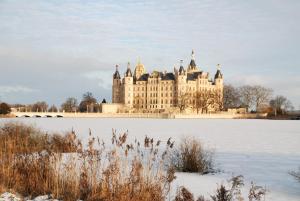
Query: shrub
(190, 156)
(4, 108)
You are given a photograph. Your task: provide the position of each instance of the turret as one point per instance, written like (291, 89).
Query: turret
(128, 87)
(181, 68)
(116, 88)
(181, 79)
(117, 74)
(218, 76)
(192, 66)
(128, 71)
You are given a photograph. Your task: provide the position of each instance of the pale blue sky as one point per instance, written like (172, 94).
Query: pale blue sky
(50, 50)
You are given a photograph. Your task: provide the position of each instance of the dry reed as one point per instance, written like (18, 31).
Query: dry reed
(36, 163)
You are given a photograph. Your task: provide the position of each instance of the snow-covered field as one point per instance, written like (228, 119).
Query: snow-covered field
(263, 151)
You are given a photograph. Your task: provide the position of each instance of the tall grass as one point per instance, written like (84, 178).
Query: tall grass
(36, 163)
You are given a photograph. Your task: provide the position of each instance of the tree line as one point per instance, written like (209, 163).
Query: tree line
(88, 103)
(255, 98)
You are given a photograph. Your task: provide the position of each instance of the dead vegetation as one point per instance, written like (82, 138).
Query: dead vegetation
(223, 193)
(191, 156)
(295, 174)
(35, 163)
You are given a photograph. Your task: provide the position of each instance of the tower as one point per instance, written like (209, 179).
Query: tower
(181, 80)
(128, 87)
(116, 88)
(218, 77)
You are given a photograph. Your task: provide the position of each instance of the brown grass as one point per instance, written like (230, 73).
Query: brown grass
(36, 163)
(190, 156)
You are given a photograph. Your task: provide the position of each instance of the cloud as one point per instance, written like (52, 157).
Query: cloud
(104, 78)
(59, 45)
(16, 89)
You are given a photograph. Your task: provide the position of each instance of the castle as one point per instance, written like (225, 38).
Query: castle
(186, 89)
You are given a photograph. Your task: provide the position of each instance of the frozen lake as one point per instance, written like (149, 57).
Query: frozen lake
(264, 151)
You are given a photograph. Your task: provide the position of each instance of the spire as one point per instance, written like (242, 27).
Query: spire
(193, 55)
(128, 71)
(218, 73)
(128, 65)
(192, 63)
(181, 69)
(117, 74)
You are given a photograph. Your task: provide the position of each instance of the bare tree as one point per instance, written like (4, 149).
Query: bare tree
(40, 106)
(88, 103)
(231, 97)
(254, 96)
(183, 101)
(280, 104)
(207, 98)
(246, 96)
(53, 108)
(261, 95)
(70, 105)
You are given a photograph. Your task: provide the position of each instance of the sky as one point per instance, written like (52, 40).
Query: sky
(54, 49)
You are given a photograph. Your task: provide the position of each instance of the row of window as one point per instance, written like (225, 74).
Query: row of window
(154, 101)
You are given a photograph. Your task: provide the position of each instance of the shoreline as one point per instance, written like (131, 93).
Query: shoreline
(136, 115)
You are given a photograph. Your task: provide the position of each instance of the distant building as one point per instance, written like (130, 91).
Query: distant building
(189, 89)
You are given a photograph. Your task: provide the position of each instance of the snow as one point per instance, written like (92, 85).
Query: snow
(263, 151)
(9, 197)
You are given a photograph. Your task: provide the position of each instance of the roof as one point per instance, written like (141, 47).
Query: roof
(168, 76)
(218, 74)
(128, 73)
(193, 76)
(144, 77)
(117, 75)
(192, 63)
(181, 69)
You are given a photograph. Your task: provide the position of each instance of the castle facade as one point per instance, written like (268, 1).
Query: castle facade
(186, 89)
